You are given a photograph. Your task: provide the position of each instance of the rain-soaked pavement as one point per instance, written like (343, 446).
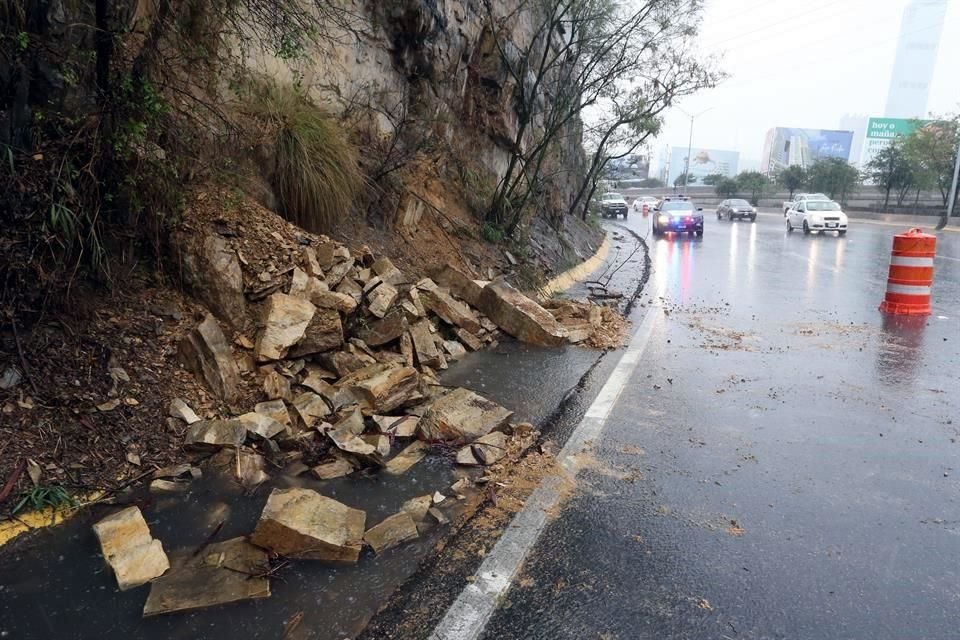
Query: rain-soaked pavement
(783, 463)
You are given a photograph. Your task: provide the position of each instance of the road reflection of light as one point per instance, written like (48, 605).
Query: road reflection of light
(838, 253)
(751, 256)
(673, 264)
(732, 269)
(813, 251)
(686, 269)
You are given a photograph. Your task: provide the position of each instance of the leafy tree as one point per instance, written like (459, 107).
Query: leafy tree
(727, 188)
(792, 178)
(754, 183)
(833, 176)
(681, 180)
(932, 150)
(652, 183)
(713, 179)
(891, 170)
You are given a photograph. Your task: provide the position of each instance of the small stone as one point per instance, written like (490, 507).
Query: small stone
(276, 386)
(134, 555)
(399, 427)
(438, 515)
(485, 450)
(336, 467)
(454, 349)
(215, 434)
(300, 523)
(276, 409)
(438, 497)
(418, 507)
(261, 424)
(168, 486)
(395, 530)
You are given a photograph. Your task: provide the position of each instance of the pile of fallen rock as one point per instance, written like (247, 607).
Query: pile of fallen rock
(348, 348)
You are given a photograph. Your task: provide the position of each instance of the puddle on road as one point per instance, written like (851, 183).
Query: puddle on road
(56, 585)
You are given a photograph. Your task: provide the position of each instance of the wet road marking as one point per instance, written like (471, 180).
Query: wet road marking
(468, 616)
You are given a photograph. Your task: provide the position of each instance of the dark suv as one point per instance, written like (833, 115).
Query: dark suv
(678, 216)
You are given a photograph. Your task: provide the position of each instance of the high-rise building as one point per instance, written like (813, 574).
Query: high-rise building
(917, 47)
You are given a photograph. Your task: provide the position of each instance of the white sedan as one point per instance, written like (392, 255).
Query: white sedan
(817, 215)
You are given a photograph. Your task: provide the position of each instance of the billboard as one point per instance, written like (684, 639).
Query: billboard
(881, 131)
(703, 162)
(786, 146)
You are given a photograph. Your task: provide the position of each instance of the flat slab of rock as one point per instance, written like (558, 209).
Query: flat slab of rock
(276, 409)
(459, 284)
(205, 351)
(134, 555)
(454, 349)
(222, 573)
(261, 424)
(380, 297)
(285, 321)
(181, 410)
(300, 523)
(211, 435)
(396, 529)
(461, 416)
(417, 508)
(310, 407)
(333, 468)
(398, 426)
(378, 332)
(409, 456)
(485, 450)
(520, 316)
(471, 340)
(382, 387)
(451, 310)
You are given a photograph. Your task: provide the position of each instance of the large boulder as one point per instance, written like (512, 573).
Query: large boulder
(424, 346)
(300, 523)
(461, 416)
(285, 322)
(205, 351)
(134, 555)
(520, 316)
(212, 270)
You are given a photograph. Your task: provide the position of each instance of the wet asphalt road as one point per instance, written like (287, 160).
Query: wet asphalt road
(782, 464)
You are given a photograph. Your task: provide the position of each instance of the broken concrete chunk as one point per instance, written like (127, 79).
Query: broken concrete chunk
(469, 339)
(300, 523)
(221, 573)
(459, 284)
(411, 455)
(423, 344)
(454, 349)
(398, 426)
(485, 450)
(276, 386)
(417, 507)
(180, 409)
(395, 530)
(285, 321)
(461, 416)
(333, 468)
(127, 546)
(275, 409)
(310, 407)
(451, 310)
(205, 351)
(261, 424)
(519, 316)
(323, 333)
(215, 434)
(382, 387)
(380, 298)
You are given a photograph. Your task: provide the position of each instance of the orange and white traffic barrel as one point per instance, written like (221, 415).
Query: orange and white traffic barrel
(911, 274)
(646, 209)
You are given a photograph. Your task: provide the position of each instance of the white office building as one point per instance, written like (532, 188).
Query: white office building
(916, 58)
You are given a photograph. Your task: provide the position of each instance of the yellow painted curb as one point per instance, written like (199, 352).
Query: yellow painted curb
(10, 529)
(575, 274)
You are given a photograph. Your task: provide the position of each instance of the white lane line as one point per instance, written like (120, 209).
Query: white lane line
(467, 617)
(948, 258)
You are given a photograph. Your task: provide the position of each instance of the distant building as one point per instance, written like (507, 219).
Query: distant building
(917, 47)
(788, 146)
(856, 123)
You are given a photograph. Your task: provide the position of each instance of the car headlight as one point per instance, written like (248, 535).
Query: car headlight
(662, 219)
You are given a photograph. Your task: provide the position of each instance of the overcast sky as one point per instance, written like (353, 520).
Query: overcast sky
(801, 63)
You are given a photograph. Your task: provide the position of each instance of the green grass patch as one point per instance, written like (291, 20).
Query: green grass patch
(41, 497)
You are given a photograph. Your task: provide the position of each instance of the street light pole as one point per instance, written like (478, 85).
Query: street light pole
(951, 200)
(686, 170)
